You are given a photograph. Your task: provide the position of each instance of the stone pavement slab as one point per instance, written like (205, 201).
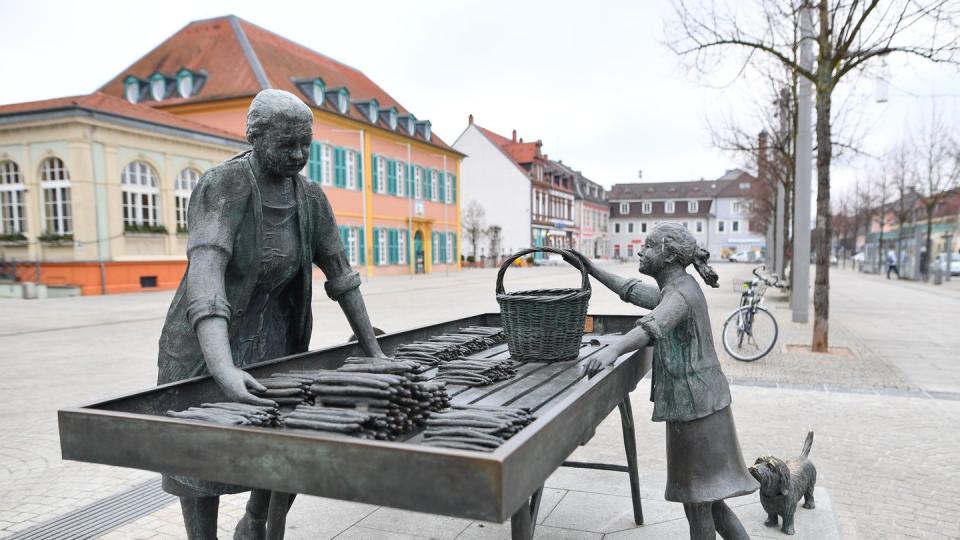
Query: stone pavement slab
(871, 434)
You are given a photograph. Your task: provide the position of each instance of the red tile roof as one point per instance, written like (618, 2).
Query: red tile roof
(104, 103)
(240, 58)
(518, 152)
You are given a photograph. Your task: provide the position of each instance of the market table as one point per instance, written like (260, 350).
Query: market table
(132, 431)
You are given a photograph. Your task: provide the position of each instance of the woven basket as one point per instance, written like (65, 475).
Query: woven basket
(544, 325)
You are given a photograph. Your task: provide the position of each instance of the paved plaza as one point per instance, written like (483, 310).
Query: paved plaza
(885, 406)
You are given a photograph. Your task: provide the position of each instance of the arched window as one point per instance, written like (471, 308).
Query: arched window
(186, 181)
(141, 190)
(55, 182)
(12, 218)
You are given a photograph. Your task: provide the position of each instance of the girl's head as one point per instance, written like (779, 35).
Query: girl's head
(672, 243)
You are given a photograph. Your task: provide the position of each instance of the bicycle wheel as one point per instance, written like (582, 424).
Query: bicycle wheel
(749, 335)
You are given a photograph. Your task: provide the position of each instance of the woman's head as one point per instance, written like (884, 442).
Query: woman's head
(672, 243)
(280, 128)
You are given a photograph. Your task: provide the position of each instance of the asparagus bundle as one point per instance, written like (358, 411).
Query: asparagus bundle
(479, 372)
(240, 414)
(448, 347)
(365, 424)
(472, 427)
(392, 390)
(284, 389)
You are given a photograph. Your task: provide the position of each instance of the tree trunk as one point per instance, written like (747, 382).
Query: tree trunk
(883, 223)
(821, 285)
(929, 243)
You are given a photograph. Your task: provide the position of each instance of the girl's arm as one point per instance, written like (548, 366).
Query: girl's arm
(628, 289)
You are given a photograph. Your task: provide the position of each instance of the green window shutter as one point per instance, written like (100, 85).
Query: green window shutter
(434, 246)
(453, 244)
(428, 184)
(373, 173)
(362, 242)
(376, 246)
(313, 163)
(453, 189)
(442, 188)
(359, 157)
(391, 177)
(392, 246)
(339, 167)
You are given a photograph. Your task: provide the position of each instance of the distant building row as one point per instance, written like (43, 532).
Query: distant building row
(532, 200)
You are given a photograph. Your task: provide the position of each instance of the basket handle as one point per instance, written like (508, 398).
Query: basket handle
(567, 256)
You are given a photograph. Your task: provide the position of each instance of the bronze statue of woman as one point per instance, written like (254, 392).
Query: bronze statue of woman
(256, 227)
(688, 388)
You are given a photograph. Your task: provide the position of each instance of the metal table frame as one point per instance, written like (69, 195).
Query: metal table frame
(506, 483)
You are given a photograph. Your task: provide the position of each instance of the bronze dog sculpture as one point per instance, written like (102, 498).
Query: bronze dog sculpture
(782, 483)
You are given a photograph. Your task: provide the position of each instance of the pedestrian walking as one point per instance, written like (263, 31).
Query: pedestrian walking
(892, 264)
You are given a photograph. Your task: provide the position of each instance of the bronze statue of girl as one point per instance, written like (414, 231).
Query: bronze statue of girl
(688, 388)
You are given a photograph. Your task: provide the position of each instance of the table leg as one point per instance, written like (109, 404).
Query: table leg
(630, 445)
(524, 520)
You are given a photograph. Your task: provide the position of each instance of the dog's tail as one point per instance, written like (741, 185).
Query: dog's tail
(807, 444)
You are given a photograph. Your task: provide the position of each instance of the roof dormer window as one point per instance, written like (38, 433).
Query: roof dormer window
(185, 83)
(373, 111)
(317, 92)
(340, 98)
(392, 118)
(158, 87)
(131, 89)
(425, 129)
(409, 123)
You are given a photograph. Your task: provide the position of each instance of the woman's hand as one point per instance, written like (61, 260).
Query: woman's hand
(236, 383)
(604, 358)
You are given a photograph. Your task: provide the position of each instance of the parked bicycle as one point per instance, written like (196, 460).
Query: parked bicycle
(750, 332)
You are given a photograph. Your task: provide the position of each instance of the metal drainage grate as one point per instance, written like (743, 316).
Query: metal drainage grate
(102, 516)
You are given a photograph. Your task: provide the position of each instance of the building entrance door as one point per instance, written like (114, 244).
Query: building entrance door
(418, 253)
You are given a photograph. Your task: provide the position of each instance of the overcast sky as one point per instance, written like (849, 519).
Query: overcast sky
(591, 79)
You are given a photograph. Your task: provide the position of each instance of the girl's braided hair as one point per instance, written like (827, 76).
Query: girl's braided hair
(678, 240)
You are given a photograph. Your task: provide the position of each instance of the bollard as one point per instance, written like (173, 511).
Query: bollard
(938, 275)
(29, 289)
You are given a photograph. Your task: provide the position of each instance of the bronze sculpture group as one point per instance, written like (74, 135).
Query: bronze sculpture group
(256, 227)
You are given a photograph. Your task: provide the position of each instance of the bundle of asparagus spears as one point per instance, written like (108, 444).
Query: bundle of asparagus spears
(473, 427)
(476, 372)
(284, 389)
(393, 391)
(238, 414)
(365, 424)
(447, 347)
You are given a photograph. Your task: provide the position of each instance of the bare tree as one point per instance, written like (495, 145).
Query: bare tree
(938, 174)
(884, 186)
(474, 225)
(848, 35)
(904, 181)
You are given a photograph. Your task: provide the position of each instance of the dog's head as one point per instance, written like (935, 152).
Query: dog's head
(773, 475)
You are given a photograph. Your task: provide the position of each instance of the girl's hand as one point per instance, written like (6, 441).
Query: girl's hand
(584, 260)
(604, 358)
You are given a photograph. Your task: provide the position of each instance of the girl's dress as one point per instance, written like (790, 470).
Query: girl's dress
(691, 394)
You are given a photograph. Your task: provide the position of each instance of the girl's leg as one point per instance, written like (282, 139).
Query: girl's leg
(727, 523)
(200, 517)
(700, 521)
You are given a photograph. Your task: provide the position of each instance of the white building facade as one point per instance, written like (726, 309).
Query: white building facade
(716, 212)
(492, 179)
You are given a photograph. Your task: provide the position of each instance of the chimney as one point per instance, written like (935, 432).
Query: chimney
(515, 139)
(470, 119)
(515, 136)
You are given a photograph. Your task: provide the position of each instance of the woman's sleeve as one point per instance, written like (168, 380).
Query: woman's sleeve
(217, 205)
(329, 254)
(671, 310)
(640, 294)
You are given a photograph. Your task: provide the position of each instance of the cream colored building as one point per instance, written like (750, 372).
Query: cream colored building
(88, 185)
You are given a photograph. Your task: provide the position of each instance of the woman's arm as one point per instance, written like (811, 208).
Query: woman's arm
(355, 310)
